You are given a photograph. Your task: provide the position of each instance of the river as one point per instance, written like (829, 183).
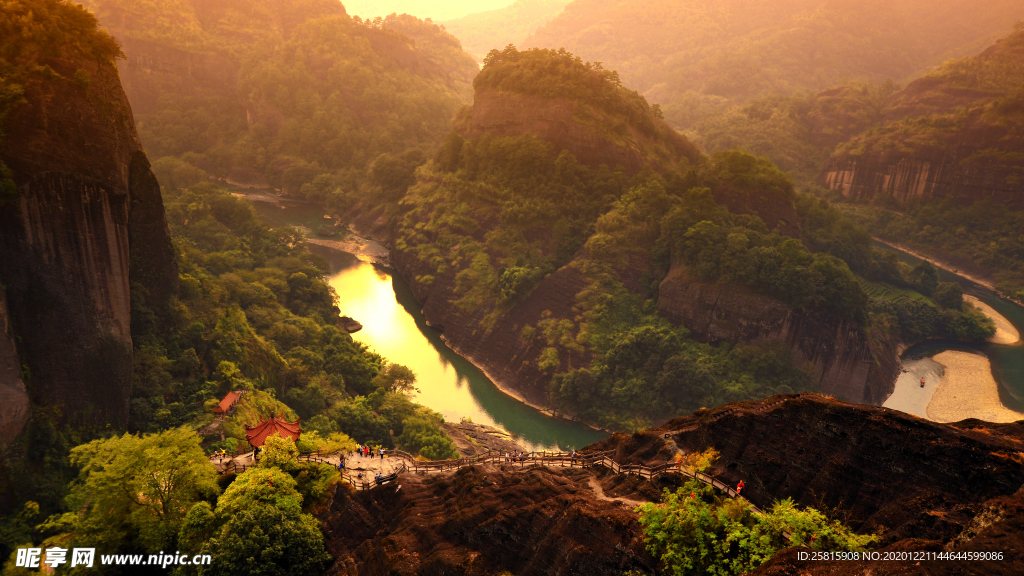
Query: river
(394, 327)
(1007, 360)
(451, 385)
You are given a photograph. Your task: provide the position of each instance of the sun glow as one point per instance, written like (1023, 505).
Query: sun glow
(437, 10)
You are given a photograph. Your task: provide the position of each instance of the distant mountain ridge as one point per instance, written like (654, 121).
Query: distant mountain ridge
(696, 56)
(494, 29)
(956, 133)
(278, 92)
(553, 241)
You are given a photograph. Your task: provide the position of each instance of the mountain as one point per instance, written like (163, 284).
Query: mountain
(82, 227)
(698, 56)
(571, 244)
(955, 133)
(278, 92)
(918, 485)
(494, 29)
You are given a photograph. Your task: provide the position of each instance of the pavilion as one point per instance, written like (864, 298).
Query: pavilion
(258, 434)
(229, 400)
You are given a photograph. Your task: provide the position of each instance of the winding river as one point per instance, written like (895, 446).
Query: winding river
(451, 385)
(1007, 360)
(394, 327)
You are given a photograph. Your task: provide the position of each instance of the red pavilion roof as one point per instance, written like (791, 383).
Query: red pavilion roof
(229, 400)
(258, 434)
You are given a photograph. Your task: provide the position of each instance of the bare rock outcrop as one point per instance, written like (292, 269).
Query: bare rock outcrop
(483, 521)
(86, 224)
(14, 403)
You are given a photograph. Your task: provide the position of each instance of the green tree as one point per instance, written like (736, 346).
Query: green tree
(396, 378)
(949, 295)
(258, 527)
(135, 490)
(421, 434)
(694, 530)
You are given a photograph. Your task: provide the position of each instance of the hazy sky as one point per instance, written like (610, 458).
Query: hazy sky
(435, 9)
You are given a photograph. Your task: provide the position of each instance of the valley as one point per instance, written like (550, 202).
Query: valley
(534, 287)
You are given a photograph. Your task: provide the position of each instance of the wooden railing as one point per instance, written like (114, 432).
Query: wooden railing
(409, 463)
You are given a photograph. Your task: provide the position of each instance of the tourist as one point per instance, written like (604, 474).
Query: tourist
(739, 487)
(573, 456)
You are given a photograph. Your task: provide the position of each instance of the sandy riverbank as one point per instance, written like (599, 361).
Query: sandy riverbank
(968, 390)
(1005, 332)
(909, 396)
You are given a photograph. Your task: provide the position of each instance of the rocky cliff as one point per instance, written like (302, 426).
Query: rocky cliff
(846, 361)
(483, 521)
(14, 401)
(955, 133)
(918, 484)
(86, 225)
(921, 486)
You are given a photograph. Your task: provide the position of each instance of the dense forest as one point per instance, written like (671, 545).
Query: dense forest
(493, 217)
(698, 57)
(282, 92)
(254, 314)
(968, 109)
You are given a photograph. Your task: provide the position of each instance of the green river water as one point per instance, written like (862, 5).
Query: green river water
(1007, 360)
(394, 327)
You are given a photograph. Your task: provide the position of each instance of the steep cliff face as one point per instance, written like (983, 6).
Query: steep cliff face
(968, 167)
(153, 69)
(565, 123)
(847, 363)
(878, 469)
(14, 401)
(86, 223)
(955, 133)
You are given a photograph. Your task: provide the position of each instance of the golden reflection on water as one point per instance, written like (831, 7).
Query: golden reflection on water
(368, 296)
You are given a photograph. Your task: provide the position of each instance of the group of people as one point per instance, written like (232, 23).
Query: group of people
(366, 451)
(516, 456)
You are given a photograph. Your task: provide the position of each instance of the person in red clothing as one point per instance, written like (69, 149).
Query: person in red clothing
(739, 487)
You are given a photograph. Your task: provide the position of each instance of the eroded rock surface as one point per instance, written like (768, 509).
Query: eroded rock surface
(87, 223)
(847, 363)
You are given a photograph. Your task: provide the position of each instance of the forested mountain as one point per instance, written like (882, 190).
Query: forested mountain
(948, 140)
(281, 91)
(697, 56)
(484, 31)
(563, 236)
(943, 169)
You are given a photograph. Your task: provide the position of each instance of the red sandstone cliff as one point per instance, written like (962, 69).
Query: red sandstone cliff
(956, 133)
(922, 486)
(87, 223)
(847, 361)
